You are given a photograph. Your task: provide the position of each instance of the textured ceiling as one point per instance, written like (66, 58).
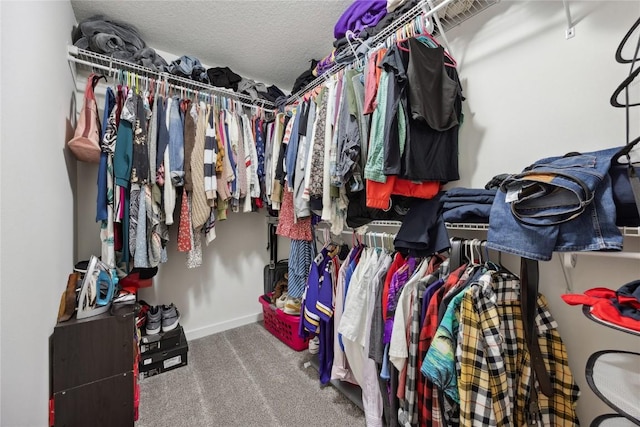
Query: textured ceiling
(270, 41)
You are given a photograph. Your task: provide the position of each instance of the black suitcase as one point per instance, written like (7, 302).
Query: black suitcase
(275, 270)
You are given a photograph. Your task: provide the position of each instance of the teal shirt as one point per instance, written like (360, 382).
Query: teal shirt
(374, 169)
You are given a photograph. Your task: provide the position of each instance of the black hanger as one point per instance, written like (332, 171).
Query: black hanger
(624, 40)
(456, 253)
(626, 150)
(632, 73)
(499, 267)
(624, 86)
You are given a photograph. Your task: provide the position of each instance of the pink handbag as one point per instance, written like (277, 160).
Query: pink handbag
(85, 144)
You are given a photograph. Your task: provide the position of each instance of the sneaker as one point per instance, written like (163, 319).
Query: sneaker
(280, 288)
(81, 266)
(280, 302)
(141, 313)
(292, 306)
(154, 320)
(125, 297)
(170, 317)
(314, 345)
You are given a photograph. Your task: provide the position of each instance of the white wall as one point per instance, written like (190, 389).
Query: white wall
(531, 94)
(37, 177)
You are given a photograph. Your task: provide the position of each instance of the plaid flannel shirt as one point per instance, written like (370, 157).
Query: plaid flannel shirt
(495, 363)
(408, 413)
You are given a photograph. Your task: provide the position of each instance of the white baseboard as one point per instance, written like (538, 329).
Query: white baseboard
(204, 331)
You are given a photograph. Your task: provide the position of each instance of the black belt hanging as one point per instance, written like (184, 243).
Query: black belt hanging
(528, 300)
(272, 242)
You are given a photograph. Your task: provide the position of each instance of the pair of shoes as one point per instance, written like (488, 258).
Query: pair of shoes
(314, 345)
(280, 289)
(281, 301)
(162, 318)
(170, 317)
(292, 306)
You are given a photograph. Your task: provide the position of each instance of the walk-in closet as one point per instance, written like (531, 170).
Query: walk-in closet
(415, 213)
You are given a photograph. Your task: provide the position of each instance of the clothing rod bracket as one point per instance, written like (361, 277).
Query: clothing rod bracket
(570, 32)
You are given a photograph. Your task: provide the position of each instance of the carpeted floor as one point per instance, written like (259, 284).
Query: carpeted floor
(243, 377)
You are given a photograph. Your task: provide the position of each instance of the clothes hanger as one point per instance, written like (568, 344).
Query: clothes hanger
(401, 37)
(410, 31)
(625, 86)
(428, 35)
(630, 78)
(351, 36)
(418, 23)
(476, 253)
(476, 250)
(623, 42)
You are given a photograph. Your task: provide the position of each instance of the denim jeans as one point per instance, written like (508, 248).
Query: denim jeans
(557, 204)
(176, 144)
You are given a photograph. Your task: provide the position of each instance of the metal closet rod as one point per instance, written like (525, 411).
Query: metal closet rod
(115, 66)
(376, 41)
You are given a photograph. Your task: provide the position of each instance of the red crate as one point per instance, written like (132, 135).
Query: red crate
(282, 326)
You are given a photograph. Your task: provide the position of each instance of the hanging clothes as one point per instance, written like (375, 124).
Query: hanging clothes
(435, 347)
(152, 145)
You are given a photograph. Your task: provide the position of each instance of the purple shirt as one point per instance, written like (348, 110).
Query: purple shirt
(399, 279)
(360, 15)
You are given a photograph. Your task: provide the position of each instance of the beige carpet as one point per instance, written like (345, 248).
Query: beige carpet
(243, 377)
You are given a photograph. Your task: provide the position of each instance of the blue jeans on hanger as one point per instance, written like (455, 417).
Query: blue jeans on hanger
(557, 204)
(176, 143)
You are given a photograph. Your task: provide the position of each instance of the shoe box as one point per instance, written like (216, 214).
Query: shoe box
(169, 352)
(162, 341)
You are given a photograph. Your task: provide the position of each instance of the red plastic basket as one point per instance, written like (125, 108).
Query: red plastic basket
(282, 326)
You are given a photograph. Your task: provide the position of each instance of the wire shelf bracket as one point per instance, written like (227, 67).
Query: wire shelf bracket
(571, 29)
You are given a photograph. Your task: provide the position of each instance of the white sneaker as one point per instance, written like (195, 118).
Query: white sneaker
(292, 306)
(281, 301)
(314, 345)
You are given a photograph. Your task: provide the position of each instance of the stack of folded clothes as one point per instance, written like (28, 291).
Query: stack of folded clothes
(422, 232)
(118, 40)
(467, 205)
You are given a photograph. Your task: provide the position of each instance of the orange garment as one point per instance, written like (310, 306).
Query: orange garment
(379, 193)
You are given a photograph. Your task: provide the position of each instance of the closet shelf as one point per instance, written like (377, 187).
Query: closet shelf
(450, 13)
(95, 61)
(461, 10)
(626, 231)
(465, 226)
